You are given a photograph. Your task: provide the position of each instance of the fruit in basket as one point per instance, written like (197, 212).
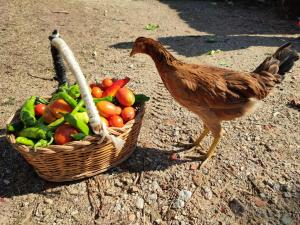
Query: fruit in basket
(114, 88)
(97, 92)
(106, 109)
(63, 134)
(116, 121)
(118, 110)
(107, 82)
(128, 113)
(39, 109)
(48, 116)
(125, 96)
(59, 107)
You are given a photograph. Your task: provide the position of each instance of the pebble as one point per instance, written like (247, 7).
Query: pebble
(236, 207)
(185, 195)
(118, 207)
(152, 197)
(155, 186)
(118, 183)
(6, 182)
(286, 219)
(207, 193)
(73, 213)
(287, 195)
(178, 204)
(139, 203)
(48, 201)
(131, 217)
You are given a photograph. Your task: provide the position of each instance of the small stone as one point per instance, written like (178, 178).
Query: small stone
(286, 219)
(174, 156)
(287, 195)
(118, 183)
(118, 207)
(98, 221)
(155, 186)
(73, 213)
(6, 182)
(152, 197)
(194, 166)
(139, 203)
(276, 187)
(207, 193)
(182, 223)
(185, 195)
(130, 66)
(236, 207)
(133, 189)
(204, 171)
(178, 204)
(48, 201)
(131, 217)
(258, 202)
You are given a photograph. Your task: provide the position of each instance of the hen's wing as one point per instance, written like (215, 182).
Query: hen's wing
(218, 88)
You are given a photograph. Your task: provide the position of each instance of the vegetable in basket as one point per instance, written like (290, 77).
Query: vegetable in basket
(27, 113)
(114, 88)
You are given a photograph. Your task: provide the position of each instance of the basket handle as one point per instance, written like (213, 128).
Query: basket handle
(98, 126)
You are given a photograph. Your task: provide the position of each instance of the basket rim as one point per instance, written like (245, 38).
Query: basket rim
(88, 140)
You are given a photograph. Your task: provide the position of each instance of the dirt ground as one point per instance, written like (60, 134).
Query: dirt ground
(255, 177)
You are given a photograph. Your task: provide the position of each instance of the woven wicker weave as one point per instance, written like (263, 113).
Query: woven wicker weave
(80, 159)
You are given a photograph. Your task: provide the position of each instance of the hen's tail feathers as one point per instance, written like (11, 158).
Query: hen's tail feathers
(280, 62)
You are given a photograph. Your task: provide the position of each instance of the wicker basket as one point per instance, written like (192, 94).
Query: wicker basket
(80, 159)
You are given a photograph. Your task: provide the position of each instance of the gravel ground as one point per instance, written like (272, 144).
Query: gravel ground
(254, 179)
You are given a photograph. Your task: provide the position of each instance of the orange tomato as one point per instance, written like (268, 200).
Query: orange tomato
(48, 116)
(96, 92)
(106, 109)
(116, 121)
(118, 110)
(59, 107)
(128, 113)
(125, 96)
(63, 134)
(107, 82)
(104, 120)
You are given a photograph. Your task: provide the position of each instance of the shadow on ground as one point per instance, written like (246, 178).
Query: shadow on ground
(19, 178)
(225, 27)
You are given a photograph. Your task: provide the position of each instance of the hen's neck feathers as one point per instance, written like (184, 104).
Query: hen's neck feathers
(160, 55)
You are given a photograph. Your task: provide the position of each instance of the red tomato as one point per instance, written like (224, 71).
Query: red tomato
(128, 113)
(63, 134)
(96, 92)
(107, 82)
(104, 120)
(39, 109)
(106, 109)
(116, 121)
(118, 110)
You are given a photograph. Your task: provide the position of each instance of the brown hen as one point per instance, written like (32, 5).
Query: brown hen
(216, 94)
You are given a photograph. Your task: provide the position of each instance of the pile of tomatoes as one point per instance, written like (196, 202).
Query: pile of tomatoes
(118, 112)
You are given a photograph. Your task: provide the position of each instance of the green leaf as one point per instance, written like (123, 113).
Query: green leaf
(151, 27)
(78, 136)
(212, 52)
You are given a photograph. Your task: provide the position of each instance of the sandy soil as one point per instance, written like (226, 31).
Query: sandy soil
(254, 179)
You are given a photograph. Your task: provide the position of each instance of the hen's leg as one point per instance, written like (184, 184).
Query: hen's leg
(196, 144)
(217, 133)
(202, 135)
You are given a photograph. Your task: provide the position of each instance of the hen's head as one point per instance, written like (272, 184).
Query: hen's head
(141, 45)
